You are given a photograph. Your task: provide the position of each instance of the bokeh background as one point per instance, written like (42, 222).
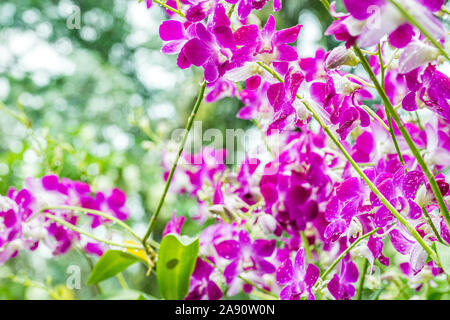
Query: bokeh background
(98, 104)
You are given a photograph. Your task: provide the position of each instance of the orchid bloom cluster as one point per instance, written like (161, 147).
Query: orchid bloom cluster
(31, 217)
(280, 224)
(357, 167)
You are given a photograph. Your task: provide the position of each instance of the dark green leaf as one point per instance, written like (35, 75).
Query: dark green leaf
(176, 261)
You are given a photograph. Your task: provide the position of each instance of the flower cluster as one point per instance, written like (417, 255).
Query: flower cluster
(31, 216)
(346, 184)
(280, 223)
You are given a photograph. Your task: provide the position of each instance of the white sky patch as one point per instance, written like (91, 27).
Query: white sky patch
(34, 55)
(151, 74)
(161, 110)
(310, 34)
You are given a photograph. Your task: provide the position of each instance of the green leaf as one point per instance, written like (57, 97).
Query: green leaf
(443, 253)
(176, 262)
(110, 264)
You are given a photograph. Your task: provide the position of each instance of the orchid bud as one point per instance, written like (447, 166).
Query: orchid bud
(224, 213)
(425, 196)
(343, 85)
(267, 223)
(415, 55)
(341, 56)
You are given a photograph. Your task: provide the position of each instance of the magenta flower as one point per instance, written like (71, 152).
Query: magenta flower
(341, 286)
(405, 245)
(210, 49)
(246, 255)
(202, 287)
(23, 227)
(174, 225)
(266, 45)
(312, 67)
(255, 103)
(245, 7)
(220, 89)
(296, 278)
(342, 208)
(432, 88)
(369, 21)
(340, 97)
(282, 97)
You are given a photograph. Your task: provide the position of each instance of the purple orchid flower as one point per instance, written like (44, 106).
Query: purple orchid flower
(246, 255)
(296, 278)
(202, 287)
(255, 103)
(341, 286)
(209, 48)
(405, 245)
(433, 89)
(369, 21)
(266, 45)
(245, 7)
(282, 97)
(174, 225)
(339, 97)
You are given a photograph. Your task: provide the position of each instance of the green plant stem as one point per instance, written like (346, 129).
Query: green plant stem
(230, 12)
(375, 116)
(164, 5)
(89, 235)
(343, 254)
(91, 266)
(424, 31)
(363, 278)
(122, 281)
(358, 169)
(391, 128)
(430, 222)
(97, 213)
(306, 246)
(388, 106)
(174, 166)
(326, 4)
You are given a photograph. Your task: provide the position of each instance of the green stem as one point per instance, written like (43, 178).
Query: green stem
(424, 31)
(326, 4)
(89, 235)
(122, 281)
(391, 128)
(91, 266)
(430, 222)
(306, 246)
(162, 4)
(230, 13)
(388, 106)
(363, 278)
(343, 254)
(375, 116)
(174, 166)
(97, 213)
